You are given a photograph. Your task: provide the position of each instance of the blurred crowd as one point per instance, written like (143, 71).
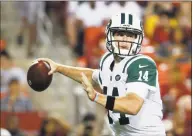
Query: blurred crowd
(168, 40)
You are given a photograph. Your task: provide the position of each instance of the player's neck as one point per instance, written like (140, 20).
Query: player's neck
(117, 58)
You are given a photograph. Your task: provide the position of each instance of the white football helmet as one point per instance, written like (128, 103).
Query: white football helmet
(124, 22)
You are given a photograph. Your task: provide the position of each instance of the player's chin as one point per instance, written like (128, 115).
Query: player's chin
(124, 47)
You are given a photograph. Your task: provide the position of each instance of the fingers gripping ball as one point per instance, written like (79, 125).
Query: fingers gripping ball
(37, 76)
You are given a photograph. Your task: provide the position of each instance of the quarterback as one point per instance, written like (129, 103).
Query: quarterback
(126, 83)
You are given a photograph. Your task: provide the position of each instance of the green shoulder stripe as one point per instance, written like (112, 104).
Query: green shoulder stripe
(128, 62)
(103, 59)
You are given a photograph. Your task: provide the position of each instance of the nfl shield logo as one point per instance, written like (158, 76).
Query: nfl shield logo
(117, 77)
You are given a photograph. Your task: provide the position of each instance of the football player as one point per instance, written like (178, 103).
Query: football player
(128, 80)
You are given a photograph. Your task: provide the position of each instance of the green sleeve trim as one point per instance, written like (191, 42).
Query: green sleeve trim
(100, 80)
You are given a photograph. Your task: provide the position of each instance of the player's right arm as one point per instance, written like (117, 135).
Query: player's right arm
(75, 72)
(70, 71)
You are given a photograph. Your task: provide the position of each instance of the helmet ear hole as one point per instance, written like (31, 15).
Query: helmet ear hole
(114, 32)
(135, 36)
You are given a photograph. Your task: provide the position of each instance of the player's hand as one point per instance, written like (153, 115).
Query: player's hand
(52, 64)
(88, 87)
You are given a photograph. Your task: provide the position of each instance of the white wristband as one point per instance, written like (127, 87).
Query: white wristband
(96, 98)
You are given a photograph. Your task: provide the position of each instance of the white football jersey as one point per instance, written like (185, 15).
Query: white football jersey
(137, 74)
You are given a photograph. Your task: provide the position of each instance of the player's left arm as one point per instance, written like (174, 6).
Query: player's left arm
(129, 104)
(140, 81)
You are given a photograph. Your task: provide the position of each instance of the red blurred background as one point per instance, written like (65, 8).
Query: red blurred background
(73, 33)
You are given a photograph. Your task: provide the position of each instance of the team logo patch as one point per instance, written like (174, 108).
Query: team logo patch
(117, 77)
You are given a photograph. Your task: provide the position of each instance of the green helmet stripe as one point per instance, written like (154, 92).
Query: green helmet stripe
(130, 19)
(122, 18)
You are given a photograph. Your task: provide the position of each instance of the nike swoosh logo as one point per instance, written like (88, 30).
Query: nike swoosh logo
(142, 66)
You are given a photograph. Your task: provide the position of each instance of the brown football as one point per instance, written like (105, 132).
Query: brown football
(37, 76)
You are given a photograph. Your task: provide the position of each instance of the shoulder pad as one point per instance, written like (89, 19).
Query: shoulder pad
(107, 54)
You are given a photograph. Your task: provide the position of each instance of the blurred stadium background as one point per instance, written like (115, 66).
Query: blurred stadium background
(72, 33)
